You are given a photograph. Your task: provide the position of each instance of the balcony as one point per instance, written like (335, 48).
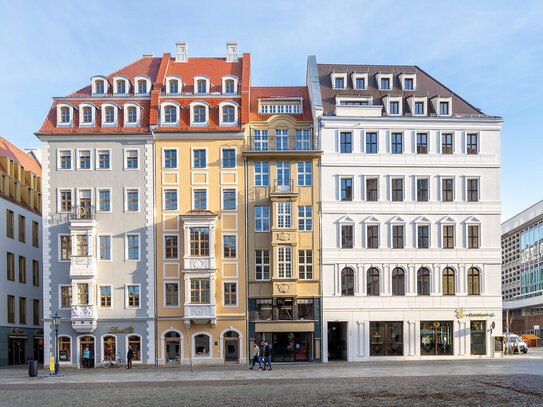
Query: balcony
(282, 144)
(83, 267)
(83, 216)
(83, 318)
(201, 313)
(283, 186)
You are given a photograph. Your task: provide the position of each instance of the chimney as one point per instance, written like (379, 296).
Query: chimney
(181, 54)
(232, 51)
(148, 55)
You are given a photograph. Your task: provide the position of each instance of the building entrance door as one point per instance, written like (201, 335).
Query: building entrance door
(16, 351)
(38, 349)
(231, 347)
(337, 340)
(86, 342)
(172, 347)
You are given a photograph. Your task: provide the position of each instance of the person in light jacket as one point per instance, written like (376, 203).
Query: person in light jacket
(256, 357)
(86, 357)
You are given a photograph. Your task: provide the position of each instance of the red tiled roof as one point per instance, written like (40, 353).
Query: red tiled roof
(277, 92)
(19, 156)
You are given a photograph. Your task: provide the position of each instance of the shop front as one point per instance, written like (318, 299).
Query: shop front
(19, 345)
(289, 341)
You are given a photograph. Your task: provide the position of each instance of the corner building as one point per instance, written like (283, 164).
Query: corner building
(200, 215)
(282, 160)
(410, 215)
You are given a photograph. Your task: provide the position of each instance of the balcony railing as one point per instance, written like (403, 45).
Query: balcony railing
(85, 212)
(282, 143)
(83, 267)
(283, 186)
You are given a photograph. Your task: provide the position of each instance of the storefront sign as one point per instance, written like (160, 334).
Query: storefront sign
(117, 330)
(536, 327)
(460, 313)
(15, 331)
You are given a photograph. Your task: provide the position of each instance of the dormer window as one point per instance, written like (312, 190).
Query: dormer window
(384, 80)
(121, 87)
(142, 86)
(228, 113)
(419, 107)
(339, 80)
(340, 83)
(110, 115)
(131, 115)
(170, 114)
(65, 114)
(199, 114)
(201, 84)
(394, 107)
(229, 86)
(174, 87)
(174, 84)
(360, 83)
(408, 81)
(442, 105)
(408, 84)
(99, 87)
(444, 108)
(385, 83)
(87, 115)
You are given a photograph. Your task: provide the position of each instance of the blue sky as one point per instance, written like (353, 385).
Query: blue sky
(489, 52)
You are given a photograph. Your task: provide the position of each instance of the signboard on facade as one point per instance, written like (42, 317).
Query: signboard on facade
(536, 327)
(117, 330)
(460, 313)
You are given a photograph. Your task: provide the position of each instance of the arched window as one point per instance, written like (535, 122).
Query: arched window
(398, 281)
(201, 345)
(142, 86)
(172, 345)
(65, 114)
(174, 86)
(347, 281)
(373, 281)
(132, 115)
(448, 281)
(229, 86)
(110, 115)
(201, 86)
(99, 87)
(228, 115)
(423, 281)
(170, 114)
(134, 343)
(199, 114)
(64, 349)
(110, 347)
(87, 115)
(121, 86)
(474, 281)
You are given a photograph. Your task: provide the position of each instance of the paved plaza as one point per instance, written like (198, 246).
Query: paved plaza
(514, 380)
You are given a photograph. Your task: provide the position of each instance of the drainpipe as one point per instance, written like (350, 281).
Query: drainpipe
(248, 350)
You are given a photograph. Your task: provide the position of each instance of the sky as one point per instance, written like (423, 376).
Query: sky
(488, 52)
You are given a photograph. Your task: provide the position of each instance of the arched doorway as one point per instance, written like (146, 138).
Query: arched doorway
(110, 347)
(172, 347)
(231, 347)
(84, 342)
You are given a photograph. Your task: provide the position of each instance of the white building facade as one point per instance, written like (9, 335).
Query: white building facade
(410, 216)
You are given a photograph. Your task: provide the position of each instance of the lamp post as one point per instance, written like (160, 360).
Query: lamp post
(56, 323)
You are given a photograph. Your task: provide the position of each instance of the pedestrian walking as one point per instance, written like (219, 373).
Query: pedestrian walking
(129, 357)
(86, 357)
(261, 355)
(256, 357)
(267, 356)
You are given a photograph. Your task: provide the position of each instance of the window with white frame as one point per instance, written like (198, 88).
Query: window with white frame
(131, 159)
(133, 247)
(171, 294)
(304, 174)
(262, 264)
(303, 140)
(199, 114)
(262, 218)
(65, 114)
(170, 158)
(84, 159)
(305, 264)
(305, 218)
(109, 114)
(281, 139)
(284, 261)
(284, 214)
(228, 158)
(174, 84)
(229, 199)
(199, 158)
(133, 296)
(170, 114)
(170, 199)
(87, 114)
(105, 296)
(228, 113)
(372, 236)
(262, 174)
(448, 236)
(104, 200)
(132, 200)
(261, 140)
(171, 247)
(104, 160)
(65, 296)
(65, 160)
(230, 293)
(229, 246)
(105, 247)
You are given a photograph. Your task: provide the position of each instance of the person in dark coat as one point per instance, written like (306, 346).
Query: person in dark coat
(129, 357)
(267, 356)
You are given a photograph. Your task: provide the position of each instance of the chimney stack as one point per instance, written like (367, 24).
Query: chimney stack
(231, 51)
(148, 55)
(182, 51)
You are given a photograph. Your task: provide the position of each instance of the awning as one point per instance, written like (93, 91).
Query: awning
(529, 336)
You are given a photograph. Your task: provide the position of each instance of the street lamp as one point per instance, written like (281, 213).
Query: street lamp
(56, 323)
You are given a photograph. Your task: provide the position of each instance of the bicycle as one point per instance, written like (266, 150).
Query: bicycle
(117, 361)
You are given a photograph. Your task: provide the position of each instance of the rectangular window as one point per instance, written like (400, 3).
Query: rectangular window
(262, 218)
(36, 319)
(284, 211)
(419, 107)
(84, 160)
(339, 83)
(103, 159)
(447, 143)
(360, 83)
(436, 338)
(65, 201)
(22, 269)
(10, 224)
(82, 293)
(305, 218)
(200, 199)
(262, 264)
(132, 159)
(229, 246)
(422, 190)
(447, 190)
(105, 296)
(199, 241)
(346, 236)
(345, 142)
(264, 309)
(448, 237)
(65, 247)
(230, 294)
(65, 160)
(346, 189)
(22, 228)
(11, 309)
(443, 108)
(172, 294)
(385, 83)
(305, 264)
(394, 107)
(228, 158)
(422, 143)
(472, 144)
(373, 237)
(386, 338)
(171, 247)
(35, 234)
(66, 296)
(199, 290)
(132, 200)
(371, 143)
(229, 199)
(422, 237)
(473, 190)
(10, 266)
(408, 84)
(199, 159)
(261, 140)
(397, 189)
(133, 296)
(262, 174)
(371, 189)
(284, 261)
(170, 199)
(82, 245)
(397, 237)
(170, 158)
(303, 140)
(304, 174)
(473, 237)
(35, 273)
(133, 247)
(104, 200)
(397, 142)
(105, 247)
(281, 140)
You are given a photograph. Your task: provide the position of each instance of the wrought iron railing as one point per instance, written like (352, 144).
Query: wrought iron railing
(85, 211)
(283, 186)
(282, 143)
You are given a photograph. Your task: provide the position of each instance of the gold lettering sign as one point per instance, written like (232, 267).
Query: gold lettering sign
(460, 313)
(15, 331)
(117, 330)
